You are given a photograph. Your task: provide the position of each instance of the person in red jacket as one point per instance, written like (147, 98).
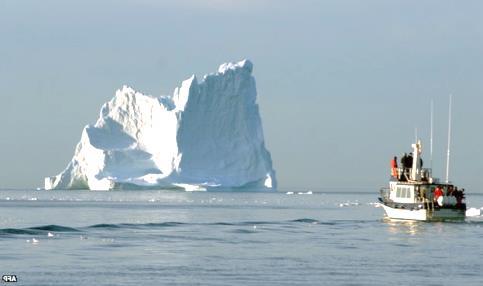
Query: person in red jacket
(394, 167)
(438, 192)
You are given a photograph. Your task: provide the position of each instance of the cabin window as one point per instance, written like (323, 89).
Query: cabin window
(403, 192)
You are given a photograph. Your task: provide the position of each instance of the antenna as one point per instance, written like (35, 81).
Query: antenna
(449, 138)
(431, 137)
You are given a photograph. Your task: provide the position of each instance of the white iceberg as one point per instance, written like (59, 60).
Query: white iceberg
(207, 135)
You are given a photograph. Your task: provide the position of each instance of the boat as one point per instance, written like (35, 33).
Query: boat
(413, 193)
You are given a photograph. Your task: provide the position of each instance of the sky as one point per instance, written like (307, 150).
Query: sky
(342, 85)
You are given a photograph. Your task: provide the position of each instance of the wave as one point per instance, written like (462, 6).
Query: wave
(175, 224)
(18, 231)
(243, 231)
(105, 225)
(136, 225)
(46, 229)
(56, 228)
(305, 220)
(37, 230)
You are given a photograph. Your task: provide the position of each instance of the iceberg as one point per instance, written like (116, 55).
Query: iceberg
(207, 135)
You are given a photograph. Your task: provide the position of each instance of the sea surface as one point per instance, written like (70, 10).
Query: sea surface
(294, 237)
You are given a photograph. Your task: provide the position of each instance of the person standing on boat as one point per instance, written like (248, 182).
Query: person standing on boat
(459, 194)
(438, 192)
(450, 191)
(404, 158)
(394, 167)
(409, 161)
(404, 163)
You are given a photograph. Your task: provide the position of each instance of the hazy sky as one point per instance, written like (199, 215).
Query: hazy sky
(341, 84)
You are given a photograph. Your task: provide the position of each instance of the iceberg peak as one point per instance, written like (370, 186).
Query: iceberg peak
(245, 65)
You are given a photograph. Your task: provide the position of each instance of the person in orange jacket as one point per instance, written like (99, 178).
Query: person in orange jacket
(394, 167)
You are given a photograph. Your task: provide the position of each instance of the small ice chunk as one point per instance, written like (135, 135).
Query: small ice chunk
(348, 204)
(376, 205)
(473, 212)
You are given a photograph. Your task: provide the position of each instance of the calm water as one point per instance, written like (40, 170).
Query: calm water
(178, 238)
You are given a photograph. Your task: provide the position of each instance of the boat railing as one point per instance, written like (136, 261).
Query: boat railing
(404, 174)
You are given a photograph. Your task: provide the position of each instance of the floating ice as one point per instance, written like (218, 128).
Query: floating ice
(299, 193)
(306, 193)
(376, 205)
(33, 241)
(349, 204)
(473, 212)
(207, 135)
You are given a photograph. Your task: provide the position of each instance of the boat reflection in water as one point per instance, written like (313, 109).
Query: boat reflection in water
(410, 227)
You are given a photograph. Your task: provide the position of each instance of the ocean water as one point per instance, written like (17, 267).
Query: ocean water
(336, 237)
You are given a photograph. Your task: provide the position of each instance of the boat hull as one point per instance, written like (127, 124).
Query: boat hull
(437, 214)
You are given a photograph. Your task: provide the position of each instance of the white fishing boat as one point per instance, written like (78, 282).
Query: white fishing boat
(413, 194)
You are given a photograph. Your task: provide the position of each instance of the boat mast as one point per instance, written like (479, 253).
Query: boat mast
(431, 138)
(416, 167)
(449, 138)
